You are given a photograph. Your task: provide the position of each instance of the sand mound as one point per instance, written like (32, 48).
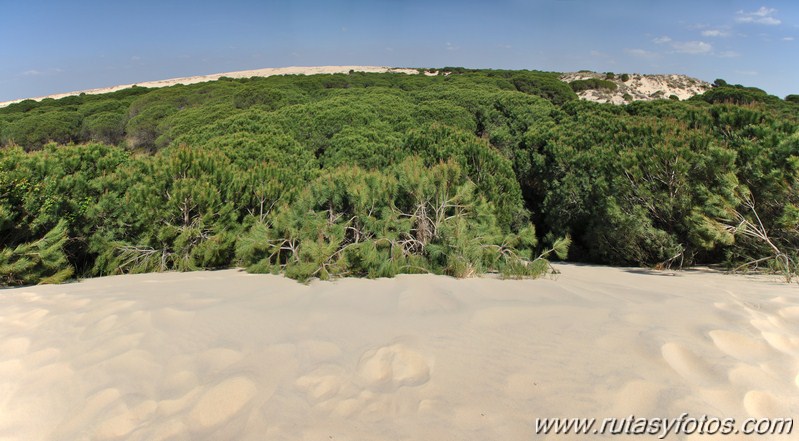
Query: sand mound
(639, 87)
(227, 355)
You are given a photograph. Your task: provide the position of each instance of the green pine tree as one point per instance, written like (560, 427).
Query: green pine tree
(42, 261)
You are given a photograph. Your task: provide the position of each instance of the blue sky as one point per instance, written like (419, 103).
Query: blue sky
(49, 47)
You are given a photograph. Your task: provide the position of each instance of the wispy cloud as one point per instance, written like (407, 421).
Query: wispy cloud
(682, 47)
(750, 73)
(764, 16)
(450, 47)
(641, 53)
(728, 54)
(787, 38)
(692, 47)
(715, 33)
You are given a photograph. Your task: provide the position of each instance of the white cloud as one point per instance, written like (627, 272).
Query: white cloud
(764, 16)
(683, 47)
(692, 47)
(450, 47)
(728, 54)
(641, 53)
(715, 33)
(787, 38)
(32, 73)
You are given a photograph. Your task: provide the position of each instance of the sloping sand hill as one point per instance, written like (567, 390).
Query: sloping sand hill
(226, 355)
(639, 87)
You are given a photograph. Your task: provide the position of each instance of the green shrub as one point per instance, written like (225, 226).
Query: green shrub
(42, 261)
(37, 129)
(592, 84)
(735, 95)
(106, 127)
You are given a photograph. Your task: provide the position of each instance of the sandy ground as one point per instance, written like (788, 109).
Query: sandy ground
(640, 87)
(294, 70)
(227, 355)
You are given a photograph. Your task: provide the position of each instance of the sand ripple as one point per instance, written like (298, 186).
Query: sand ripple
(227, 355)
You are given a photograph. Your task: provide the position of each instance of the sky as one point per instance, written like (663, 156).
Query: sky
(49, 47)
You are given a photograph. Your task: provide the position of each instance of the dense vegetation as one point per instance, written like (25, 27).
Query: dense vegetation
(594, 84)
(379, 174)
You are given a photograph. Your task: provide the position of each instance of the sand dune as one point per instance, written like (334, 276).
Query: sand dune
(639, 87)
(228, 355)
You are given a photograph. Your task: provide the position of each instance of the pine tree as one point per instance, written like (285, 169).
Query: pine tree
(42, 261)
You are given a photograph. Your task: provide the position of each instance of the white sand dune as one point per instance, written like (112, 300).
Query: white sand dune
(639, 87)
(231, 356)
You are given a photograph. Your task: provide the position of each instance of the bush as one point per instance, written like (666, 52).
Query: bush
(106, 127)
(42, 261)
(37, 129)
(545, 86)
(408, 219)
(592, 84)
(735, 95)
(144, 128)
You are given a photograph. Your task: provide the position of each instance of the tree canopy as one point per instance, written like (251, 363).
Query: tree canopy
(372, 175)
